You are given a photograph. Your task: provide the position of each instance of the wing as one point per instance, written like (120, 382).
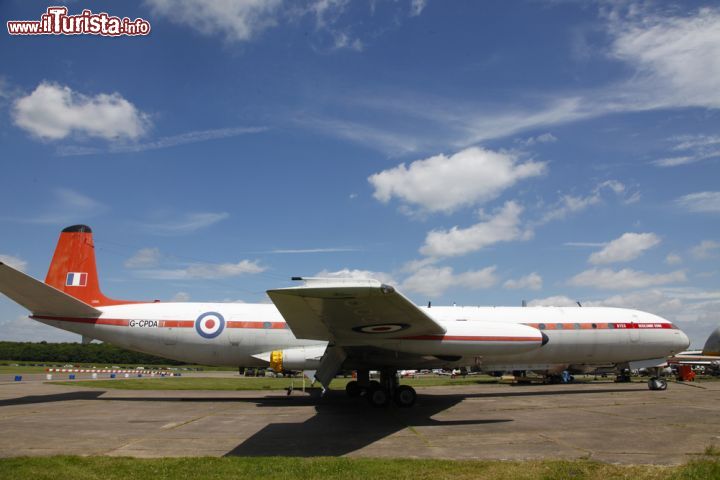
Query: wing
(350, 312)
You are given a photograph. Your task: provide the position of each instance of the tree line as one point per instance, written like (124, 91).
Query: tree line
(102, 353)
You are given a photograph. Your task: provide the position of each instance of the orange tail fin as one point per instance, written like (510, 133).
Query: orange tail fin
(73, 268)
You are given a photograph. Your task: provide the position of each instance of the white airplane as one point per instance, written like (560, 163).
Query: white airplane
(331, 324)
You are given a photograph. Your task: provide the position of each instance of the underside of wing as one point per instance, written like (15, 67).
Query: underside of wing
(351, 312)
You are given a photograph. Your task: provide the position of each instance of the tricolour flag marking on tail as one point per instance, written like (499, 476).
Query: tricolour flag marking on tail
(76, 279)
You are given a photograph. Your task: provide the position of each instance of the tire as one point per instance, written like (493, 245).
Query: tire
(657, 384)
(353, 389)
(405, 396)
(377, 396)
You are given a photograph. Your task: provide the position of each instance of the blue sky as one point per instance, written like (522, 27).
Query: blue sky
(472, 152)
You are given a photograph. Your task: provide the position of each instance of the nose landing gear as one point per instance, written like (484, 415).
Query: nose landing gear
(657, 382)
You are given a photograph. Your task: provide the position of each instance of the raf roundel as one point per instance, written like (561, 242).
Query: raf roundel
(209, 324)
(381, 328)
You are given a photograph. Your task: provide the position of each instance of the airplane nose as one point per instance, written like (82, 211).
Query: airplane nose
(682, 342)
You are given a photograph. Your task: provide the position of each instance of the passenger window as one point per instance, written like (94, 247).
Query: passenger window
(577, 326)
(542, 326)
(594, 325)
(559, 326)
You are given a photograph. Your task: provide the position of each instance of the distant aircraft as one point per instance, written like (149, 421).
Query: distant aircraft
(708, 357)
(331, 324)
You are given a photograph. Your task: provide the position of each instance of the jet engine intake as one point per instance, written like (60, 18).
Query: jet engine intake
(300, 358)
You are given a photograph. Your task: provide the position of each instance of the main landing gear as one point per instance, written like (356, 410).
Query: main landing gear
(379, 394)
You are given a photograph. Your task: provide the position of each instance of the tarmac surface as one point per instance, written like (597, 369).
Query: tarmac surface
(617, 423)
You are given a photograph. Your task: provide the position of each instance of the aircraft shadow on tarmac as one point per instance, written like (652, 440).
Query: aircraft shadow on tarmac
(56, 397)
(340, 425)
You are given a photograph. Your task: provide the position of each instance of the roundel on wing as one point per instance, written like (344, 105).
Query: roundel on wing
(209, 324)
(381, 328)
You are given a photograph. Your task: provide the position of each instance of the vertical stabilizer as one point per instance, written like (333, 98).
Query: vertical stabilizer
(712, 345)
(73, 269)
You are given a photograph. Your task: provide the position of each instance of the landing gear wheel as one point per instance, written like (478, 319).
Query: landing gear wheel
(353, 389)
(405, 396)
(377, 396)
(657, 384)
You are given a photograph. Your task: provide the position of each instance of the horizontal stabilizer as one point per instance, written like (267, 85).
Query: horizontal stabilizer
(39, 298)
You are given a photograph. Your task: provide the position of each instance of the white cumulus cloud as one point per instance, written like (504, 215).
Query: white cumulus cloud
(553, 301)
(205, 271)
(357, 274)
(673, 259)
(445, 183)
(705, 249)
(627, 247)
(53, 112)
(433, 281)
(608, 279)
(504, 226)
(542, 138)
(531, 281)
(181, 297)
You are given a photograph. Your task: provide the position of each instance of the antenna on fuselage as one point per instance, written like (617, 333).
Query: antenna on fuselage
(578, 302)
(524, 303)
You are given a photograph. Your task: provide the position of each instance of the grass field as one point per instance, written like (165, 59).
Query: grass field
(20, 369)
(252, 383)
(82, 468)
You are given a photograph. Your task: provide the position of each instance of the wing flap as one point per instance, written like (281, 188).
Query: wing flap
(351, 312)
(39, 298)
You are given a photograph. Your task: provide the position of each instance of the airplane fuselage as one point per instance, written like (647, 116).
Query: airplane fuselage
(493, 338)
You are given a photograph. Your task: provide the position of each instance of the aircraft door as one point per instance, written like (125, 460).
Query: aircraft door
(242, 337)
(634, 330)
(170, 336)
